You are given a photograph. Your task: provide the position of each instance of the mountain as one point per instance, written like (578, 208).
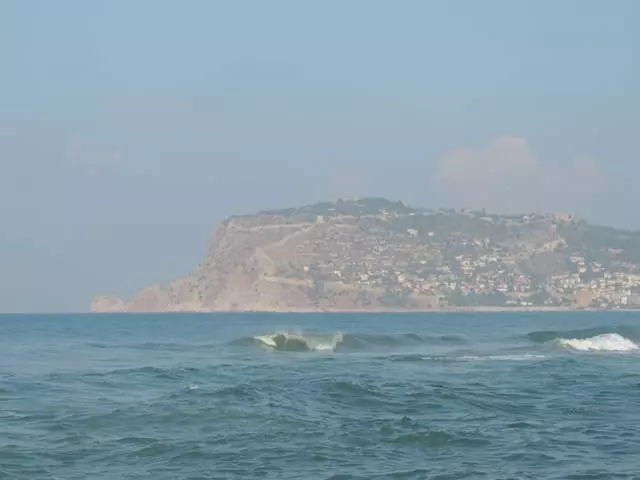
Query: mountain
(375, 254)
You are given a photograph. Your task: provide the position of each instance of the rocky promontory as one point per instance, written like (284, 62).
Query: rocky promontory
(374, 254)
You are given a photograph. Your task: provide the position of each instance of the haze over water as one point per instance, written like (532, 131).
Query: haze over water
(276, 396)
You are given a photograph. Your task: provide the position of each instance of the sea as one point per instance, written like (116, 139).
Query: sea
(320, 396)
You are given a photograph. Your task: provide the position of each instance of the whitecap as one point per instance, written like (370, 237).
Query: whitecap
(606, 342)
(299, 342)
(267, 340)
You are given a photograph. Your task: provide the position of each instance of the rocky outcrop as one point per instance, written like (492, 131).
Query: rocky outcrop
(151, 299)
(107, 304)
(237, 275)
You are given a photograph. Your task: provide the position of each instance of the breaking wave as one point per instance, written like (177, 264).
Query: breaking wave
(611, 339)
(344, 342)
(604, 339)
(608, 342)
(291, 342)
(544, 336)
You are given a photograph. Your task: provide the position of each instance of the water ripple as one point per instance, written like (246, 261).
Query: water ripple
(408, 399)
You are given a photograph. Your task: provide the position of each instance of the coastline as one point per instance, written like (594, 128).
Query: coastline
(449, 310)
(445, 310)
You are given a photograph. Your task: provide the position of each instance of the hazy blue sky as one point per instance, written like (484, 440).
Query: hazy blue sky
(128, 129)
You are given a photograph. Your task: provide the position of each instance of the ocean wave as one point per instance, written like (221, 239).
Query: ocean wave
(506, 357)
(440, 439)
(458, 358)
(609, 338)
(606, 342)
(345, 342)
(291, 342)
(545, 336)
(148, 371)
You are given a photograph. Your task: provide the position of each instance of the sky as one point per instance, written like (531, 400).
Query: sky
(128, 130)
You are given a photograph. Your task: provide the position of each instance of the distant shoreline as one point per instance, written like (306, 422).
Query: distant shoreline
(449, 310)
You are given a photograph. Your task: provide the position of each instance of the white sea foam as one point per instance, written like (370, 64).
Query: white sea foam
(268, 340)
(607, 342)
(300, 342)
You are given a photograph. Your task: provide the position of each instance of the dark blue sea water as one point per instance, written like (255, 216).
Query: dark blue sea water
(441, 396)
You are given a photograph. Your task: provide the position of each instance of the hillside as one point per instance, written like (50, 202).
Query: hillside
(375, 254)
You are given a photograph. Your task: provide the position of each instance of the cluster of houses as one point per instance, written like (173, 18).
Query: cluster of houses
(413, 262)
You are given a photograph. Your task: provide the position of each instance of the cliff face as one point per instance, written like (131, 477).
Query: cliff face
(373, 254)
(237, 274)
